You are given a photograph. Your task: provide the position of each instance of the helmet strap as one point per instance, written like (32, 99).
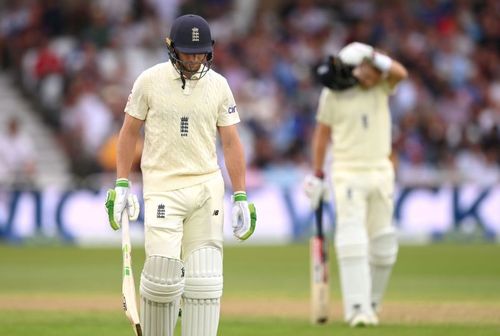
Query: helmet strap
(183, 81)
(177, 63)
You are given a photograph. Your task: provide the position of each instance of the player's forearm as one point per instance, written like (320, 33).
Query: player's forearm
(319, 153)
(390, 68)
(126, 146)
(235, 164)
(320, 144)
(397, 72)
(125, 154)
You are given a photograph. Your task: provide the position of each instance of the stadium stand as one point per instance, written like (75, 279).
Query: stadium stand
(69, 57)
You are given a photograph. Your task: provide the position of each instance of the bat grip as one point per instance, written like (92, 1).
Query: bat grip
(138, 330)
(319, 219)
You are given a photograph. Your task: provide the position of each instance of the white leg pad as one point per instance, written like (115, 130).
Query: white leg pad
(352, 255)
(201, 298)
(162, 284)
(383, 254)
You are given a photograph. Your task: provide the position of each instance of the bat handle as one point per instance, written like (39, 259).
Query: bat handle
(319, 218)
(138, 329)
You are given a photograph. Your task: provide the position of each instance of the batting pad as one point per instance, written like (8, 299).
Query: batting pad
(162, 283)
(384, 247)
(201, 298)
(351, 244)
(383, 254)
(354, 280)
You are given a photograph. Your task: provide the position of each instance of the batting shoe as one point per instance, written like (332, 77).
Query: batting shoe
(373, 320)
(359, 319)
(363, 319)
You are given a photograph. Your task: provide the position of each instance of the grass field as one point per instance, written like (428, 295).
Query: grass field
(435, 290)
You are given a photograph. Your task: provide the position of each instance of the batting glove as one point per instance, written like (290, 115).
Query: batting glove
(354, 53)
(244, 216)
(315, 189)
(117, 200)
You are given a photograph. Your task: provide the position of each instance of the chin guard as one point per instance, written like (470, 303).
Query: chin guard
(179, 65)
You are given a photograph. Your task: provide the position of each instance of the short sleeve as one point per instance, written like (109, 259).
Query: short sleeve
(227, 114)
(137, 103)
(325, 107)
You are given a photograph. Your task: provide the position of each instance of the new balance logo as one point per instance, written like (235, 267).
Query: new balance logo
(195, 34)
(231, 109)
(216, 213)
(160, 213)
(184, 126)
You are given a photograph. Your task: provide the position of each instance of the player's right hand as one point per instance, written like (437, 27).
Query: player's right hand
(315, 189)
(355, 53)
(117, 200)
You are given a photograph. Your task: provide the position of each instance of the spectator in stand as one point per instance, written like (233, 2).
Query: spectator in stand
(449, 47)
(17, 157)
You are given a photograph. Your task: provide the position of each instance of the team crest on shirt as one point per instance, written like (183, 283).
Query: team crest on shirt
(184, 126)
(160, 212)
(231, 109)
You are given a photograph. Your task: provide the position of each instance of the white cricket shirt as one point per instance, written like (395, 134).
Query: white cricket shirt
(180, 125)
(361, 125)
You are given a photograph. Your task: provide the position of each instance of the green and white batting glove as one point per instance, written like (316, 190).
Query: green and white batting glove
(244, 216)
(117, 200)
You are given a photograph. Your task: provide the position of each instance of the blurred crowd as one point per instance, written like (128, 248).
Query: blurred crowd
(77, 61)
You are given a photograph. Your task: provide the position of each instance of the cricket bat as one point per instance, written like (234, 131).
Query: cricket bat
(320, 285)
(128, 285)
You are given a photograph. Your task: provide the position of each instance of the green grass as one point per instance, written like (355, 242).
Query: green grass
(62, 324)
(80, 324)
(286, 327)
(84, 324)
(433, 274)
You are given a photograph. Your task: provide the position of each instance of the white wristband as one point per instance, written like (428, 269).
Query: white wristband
(382, 62)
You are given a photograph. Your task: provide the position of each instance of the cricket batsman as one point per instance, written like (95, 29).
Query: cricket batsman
(183, 105)
(354, 114)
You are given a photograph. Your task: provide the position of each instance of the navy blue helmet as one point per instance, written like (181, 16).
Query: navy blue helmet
(190, 34)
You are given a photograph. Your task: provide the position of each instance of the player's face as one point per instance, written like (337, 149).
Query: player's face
(367, 75)
(191, 63)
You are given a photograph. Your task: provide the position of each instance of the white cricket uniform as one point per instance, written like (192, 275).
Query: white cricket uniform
(362, 172)
(363, 179)
(183, 185)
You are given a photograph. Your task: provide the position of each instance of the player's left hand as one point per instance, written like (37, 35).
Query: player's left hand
(244, 216)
